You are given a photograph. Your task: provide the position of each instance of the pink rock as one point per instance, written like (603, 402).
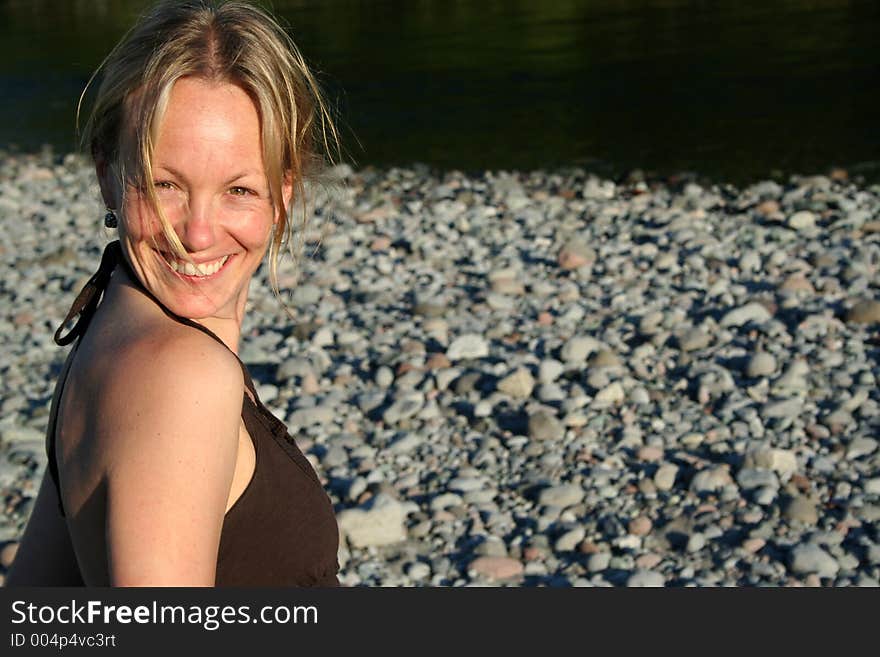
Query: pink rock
(497, 567)
(648, 561)
(381, 243)
(797, 283)
(752, 545)
(767, 208)
(575, 254)
(532, 553)
(640, 526)
(437, 362)
(7, 555)
(650, 453)
(23, 319)
(376, 214)
(310, 385)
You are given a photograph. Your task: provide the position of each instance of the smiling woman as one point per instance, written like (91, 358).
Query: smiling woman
(164, 467)
(212, 188)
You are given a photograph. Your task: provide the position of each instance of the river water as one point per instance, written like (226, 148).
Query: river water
(731, 90)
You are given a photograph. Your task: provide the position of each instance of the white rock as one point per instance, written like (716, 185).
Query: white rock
(598, 562)
(356, 488)
(856, 401)
(664, 478)
(751, 312)
(418, 571)
(323, 337)
(646, 578)
(21, 435)
(384, 377)
(444, 501)
(304, 417)
(562, 495)
(407, 443)
(405, 406)
(749, 478)
(543, 425)
(483, 408)
(570, 540)
(639, 395)
(809, 558)
(761, 364)
(609, 395)
(379, 522)
(696, 542)
(750, 261)
(650, 322)
(711, 480)
(801, 220)
(518, 384)
(860, 447)
(786, 408)
(466, 484)
(549, 370)
(446, 376)
(781, 461)
(576, 349)
(470, 345)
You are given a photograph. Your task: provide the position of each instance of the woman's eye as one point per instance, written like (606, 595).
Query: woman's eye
(163, 184)
(240, 191)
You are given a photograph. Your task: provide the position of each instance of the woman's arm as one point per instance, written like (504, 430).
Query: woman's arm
(45, 556)
(170, 421)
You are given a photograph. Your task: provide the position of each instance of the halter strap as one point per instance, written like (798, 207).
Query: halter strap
(87, 300)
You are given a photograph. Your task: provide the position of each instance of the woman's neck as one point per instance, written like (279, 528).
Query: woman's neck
(125, 289)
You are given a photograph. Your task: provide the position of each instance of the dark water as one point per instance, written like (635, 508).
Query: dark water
(731, 89)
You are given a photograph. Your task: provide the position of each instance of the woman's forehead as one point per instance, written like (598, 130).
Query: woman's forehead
(209, 123)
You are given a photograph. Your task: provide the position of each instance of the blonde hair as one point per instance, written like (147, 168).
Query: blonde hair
(221, 42)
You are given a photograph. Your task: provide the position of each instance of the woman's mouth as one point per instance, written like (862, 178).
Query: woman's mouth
(194, 272)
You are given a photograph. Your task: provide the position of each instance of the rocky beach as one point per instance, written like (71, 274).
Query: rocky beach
(532, 378)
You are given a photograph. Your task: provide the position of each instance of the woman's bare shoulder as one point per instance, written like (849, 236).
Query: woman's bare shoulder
(163, 349)
(168, 430)
(166, 375)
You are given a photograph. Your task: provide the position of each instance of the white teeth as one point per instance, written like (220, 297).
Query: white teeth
(188, 269)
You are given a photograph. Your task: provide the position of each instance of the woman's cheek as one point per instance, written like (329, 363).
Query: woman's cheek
(263, 226)
(141, 222)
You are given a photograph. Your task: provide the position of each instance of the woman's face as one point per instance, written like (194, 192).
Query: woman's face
(209, 177)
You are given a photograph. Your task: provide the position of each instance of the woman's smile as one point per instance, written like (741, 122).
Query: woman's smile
(203, 271)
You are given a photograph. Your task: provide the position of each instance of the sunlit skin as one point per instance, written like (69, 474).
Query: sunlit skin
(211, 183)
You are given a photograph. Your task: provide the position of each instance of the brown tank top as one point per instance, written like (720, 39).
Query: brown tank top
(282, 530)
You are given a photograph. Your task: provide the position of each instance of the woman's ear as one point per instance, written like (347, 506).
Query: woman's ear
(286, 191)
(107, 181)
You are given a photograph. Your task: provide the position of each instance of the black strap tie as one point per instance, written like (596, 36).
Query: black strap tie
(87, 300)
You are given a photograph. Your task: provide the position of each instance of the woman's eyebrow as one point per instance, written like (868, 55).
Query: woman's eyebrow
(243, 174)
(238, 176)
(169, 169)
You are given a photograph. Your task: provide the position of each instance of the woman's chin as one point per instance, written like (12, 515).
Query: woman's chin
(192, 304)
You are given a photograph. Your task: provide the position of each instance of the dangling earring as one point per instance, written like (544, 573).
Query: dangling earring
(110, 219)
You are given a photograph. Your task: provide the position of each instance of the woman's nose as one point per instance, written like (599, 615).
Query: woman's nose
(196, 230)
